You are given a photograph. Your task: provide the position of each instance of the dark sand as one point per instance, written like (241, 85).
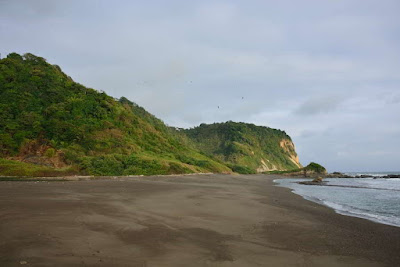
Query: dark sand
(199, 220)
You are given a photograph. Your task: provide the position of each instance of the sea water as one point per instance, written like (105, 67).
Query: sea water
(377, 200)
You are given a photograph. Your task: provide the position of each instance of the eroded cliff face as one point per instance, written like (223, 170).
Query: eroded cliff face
(289, 148)
(289, 151)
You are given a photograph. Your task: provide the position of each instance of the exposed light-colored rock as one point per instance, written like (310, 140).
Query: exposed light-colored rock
(288, 146)
(264, 167)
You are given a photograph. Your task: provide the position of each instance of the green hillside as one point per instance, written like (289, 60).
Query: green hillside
(246, 148)
(50, 124)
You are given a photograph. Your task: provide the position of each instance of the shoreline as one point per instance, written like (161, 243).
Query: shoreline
(196, 220)
(376, 238)
(366, 216)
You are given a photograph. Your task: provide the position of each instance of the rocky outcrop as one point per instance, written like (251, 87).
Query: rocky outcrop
(311, 170)
(338, 175)
(391, 176)
(316, 181)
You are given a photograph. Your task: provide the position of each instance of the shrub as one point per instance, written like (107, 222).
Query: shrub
(176, 168)
(242, 169)
(50, 152)
(315, 167)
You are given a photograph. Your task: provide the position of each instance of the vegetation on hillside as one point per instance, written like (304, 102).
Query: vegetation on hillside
(17, 168)
(245, 147)
(46, 118)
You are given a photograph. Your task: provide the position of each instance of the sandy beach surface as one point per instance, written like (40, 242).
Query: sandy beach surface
(197, 220)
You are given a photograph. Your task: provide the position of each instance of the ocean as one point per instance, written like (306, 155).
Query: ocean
(377, 200)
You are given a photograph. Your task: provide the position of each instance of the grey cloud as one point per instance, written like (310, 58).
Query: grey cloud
(318, 105)
(307, 134)
(394, 99)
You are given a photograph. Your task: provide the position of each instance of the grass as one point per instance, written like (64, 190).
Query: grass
(17, 168)
(115, 165)
(29, 179)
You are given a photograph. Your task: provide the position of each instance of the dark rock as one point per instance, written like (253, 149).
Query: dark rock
(338, 175)
(316, 181)
(392, 176)
(312, 183)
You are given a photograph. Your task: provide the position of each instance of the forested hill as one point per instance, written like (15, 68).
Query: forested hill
(246, 147)
(47, 119)
(51, 125)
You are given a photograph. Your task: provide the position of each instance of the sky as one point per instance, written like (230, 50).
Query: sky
(325, 71)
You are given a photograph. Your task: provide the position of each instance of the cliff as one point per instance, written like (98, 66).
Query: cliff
(246, 147)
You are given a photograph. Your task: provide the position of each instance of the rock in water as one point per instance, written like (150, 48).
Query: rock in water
(317, 180)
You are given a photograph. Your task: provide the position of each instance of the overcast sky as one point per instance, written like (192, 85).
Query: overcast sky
(325, 71)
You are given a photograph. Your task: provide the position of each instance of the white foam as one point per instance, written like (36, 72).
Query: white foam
(389, 220)
(357, 200)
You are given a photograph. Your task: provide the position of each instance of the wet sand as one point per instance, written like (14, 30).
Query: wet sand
(198, 220)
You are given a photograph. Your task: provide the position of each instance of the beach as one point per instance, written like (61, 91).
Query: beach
(194, 220)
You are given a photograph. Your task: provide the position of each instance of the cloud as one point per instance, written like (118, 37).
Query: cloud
(318, 105)
(393, 98)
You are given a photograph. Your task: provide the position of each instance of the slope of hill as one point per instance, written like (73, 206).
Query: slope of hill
(51, 121)
(246, 147)
(51, 125)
